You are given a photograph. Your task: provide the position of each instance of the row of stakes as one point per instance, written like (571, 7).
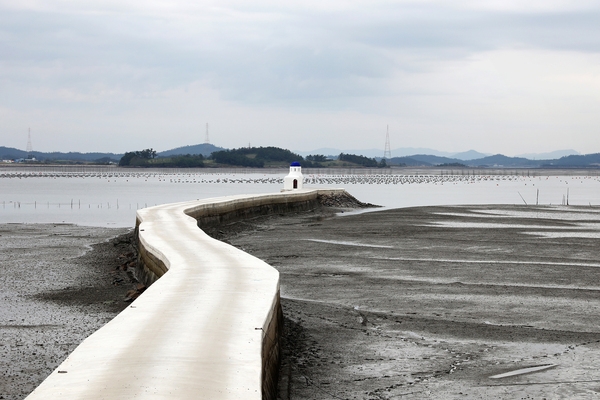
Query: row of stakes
(72, 205)
(383, 179)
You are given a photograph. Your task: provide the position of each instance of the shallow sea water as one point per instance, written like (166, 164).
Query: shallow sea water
(110, 199)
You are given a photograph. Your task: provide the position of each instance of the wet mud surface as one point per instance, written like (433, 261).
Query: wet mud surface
(59, 284)
(412, 303)
(431, 302)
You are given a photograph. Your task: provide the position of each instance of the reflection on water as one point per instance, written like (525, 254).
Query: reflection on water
(110, 196)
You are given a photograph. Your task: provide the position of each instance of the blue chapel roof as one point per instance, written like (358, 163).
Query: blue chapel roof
(295, 164)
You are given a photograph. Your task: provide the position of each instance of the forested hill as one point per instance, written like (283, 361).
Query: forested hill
(256, 156)
(205, 149)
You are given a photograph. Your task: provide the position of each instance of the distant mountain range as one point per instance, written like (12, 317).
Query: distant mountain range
(500, 161)
(402, 156)
(9, 153)
(411, 151)
(548, 156)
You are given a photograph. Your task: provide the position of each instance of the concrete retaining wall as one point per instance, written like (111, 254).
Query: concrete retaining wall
(207, 329)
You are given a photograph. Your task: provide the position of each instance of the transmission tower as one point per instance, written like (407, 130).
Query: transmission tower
(387, 153)
(206, 140)
(29, 146)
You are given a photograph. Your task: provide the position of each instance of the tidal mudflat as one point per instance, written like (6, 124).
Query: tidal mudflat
(423, 302)
(437, 302)
(59, 283)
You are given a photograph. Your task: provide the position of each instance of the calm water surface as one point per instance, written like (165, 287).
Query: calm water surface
(111, 199)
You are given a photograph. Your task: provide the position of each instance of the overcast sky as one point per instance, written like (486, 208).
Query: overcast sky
(123, 75)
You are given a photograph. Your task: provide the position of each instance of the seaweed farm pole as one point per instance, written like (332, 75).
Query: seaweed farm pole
(537, 197)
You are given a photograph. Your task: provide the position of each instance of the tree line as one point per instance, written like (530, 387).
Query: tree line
(148, 158)
(362, 160)
(255, 157)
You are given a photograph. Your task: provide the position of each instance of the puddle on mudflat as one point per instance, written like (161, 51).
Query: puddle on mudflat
(490, 225)
(572, 214)
(557, 235)
(522, 371)
(345, 243)
(465, 261)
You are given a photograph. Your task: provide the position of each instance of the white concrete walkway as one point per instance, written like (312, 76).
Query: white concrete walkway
(194, 334)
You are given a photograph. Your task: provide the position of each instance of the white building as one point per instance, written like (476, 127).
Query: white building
(294, 180)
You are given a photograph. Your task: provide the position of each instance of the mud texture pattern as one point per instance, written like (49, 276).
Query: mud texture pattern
(425, 302)
(431, 302)
(59, 284)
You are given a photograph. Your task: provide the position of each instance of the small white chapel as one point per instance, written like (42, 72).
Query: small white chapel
(294, 180)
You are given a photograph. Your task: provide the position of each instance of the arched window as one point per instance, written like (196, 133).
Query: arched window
(295, 183)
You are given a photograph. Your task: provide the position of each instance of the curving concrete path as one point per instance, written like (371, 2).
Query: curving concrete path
(208, 329)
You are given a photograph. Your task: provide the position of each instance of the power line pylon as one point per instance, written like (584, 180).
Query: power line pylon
(29, 146)
(206, 140)
(387, 153)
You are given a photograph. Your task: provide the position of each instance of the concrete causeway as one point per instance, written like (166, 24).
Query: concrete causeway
(207, 329)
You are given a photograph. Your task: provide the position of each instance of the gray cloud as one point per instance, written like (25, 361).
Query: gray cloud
(286, 58)
(291, 58)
